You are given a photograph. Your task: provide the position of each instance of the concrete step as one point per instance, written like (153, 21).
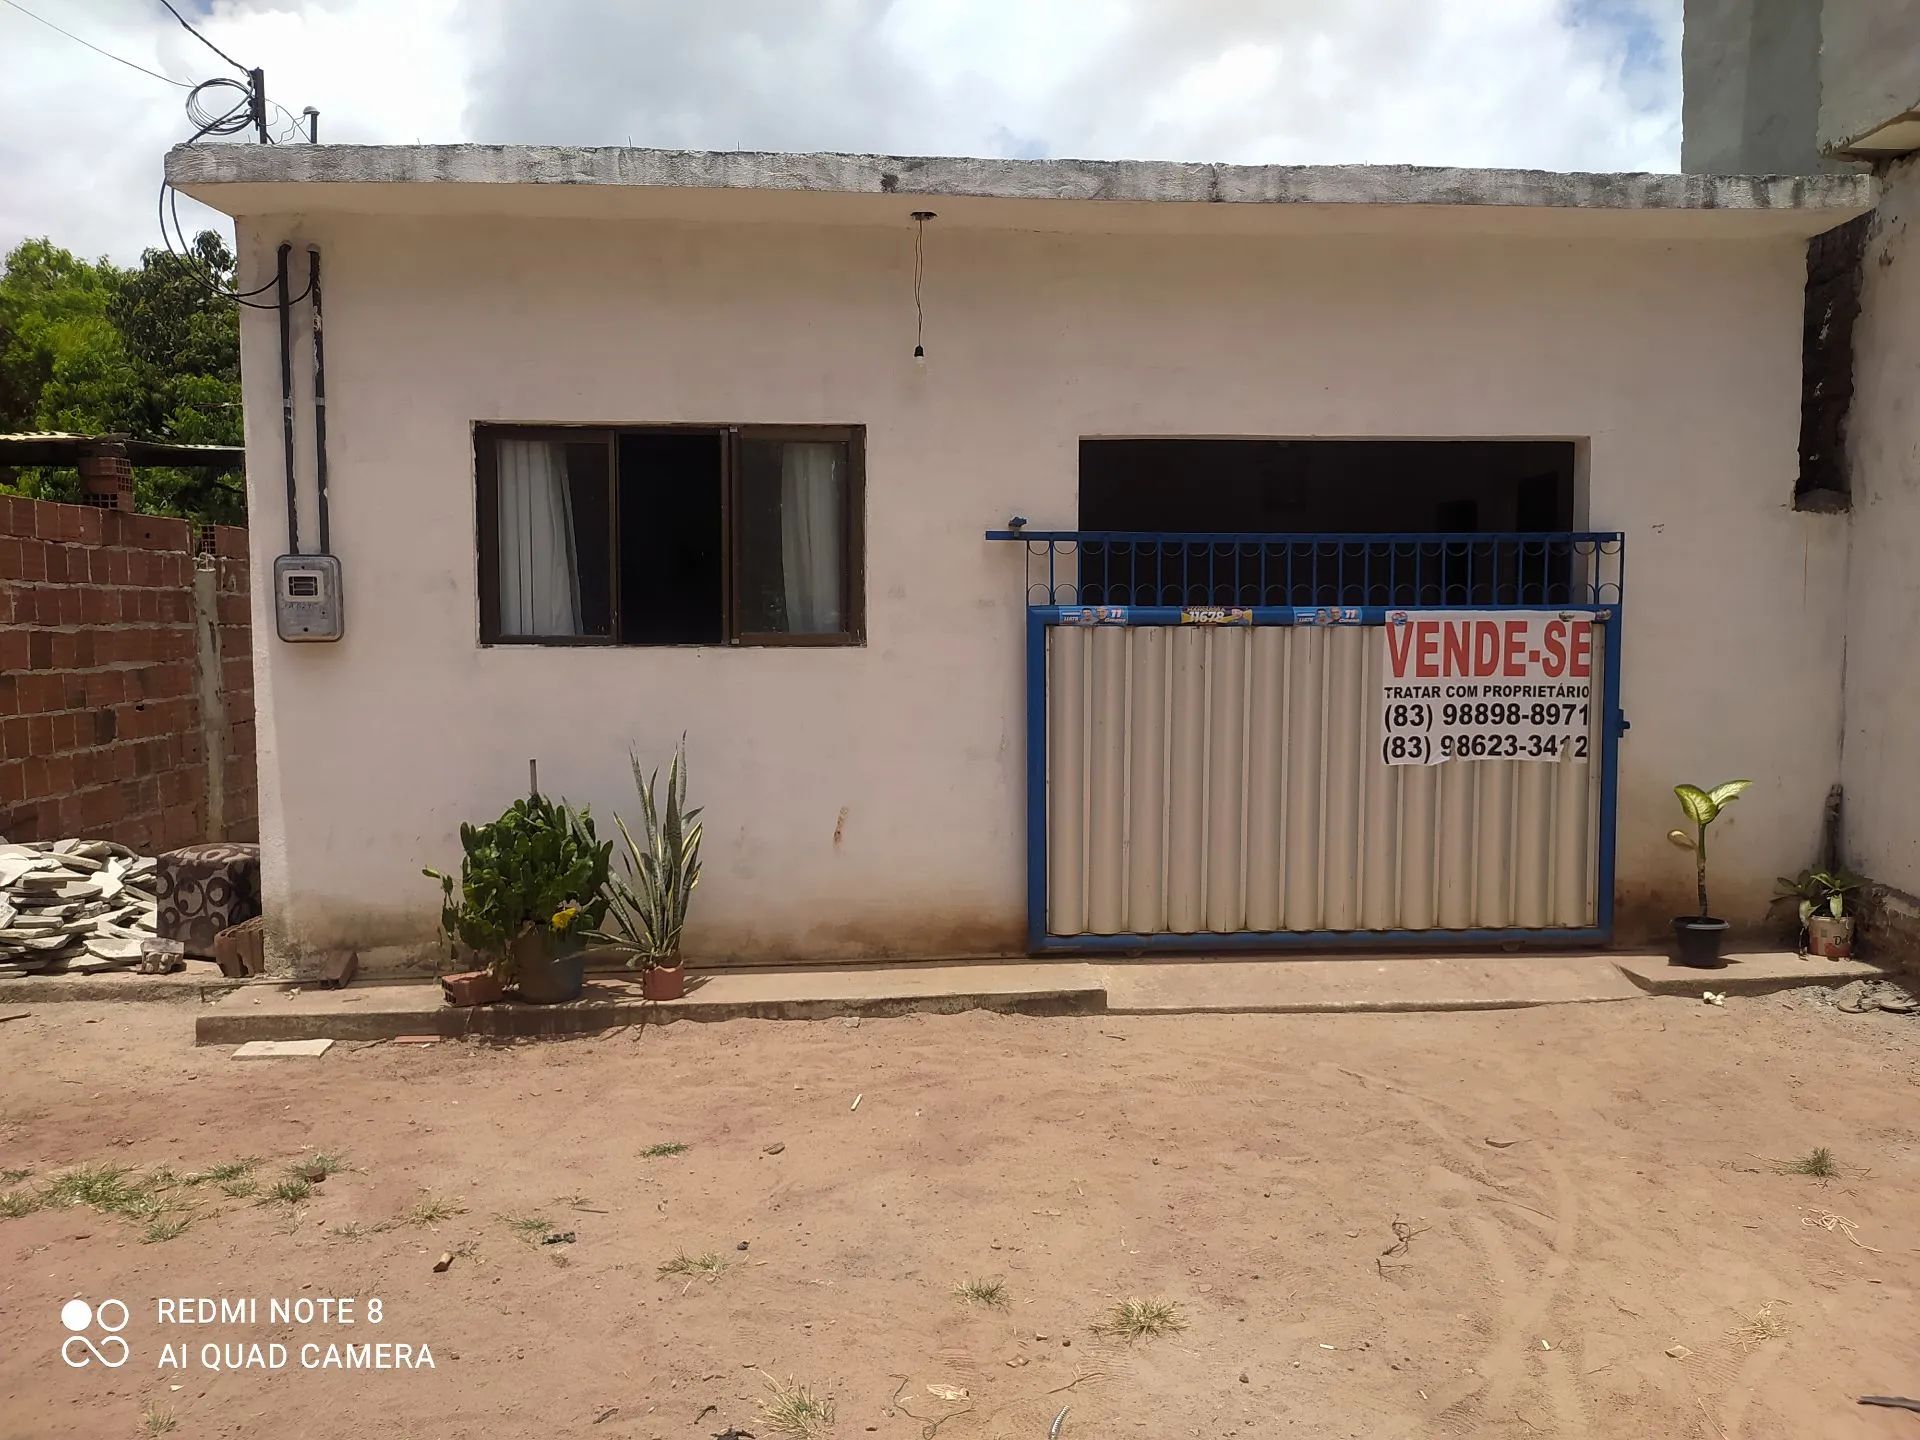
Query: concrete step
(1362, 984)
(1752, 972)
(382, 1011)
(1345, 984)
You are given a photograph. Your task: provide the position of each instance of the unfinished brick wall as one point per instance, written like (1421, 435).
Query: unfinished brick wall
(126, 678)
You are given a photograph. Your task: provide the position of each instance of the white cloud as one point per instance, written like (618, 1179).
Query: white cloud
(1561, 84)
(81, 138)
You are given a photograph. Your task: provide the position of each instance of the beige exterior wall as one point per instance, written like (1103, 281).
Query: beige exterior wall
(870, 801)
(1881, 769)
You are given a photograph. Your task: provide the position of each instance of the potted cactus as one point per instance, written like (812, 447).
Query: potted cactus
(530, 891)
(647, 904)
(1821, 899)
(1697, 938)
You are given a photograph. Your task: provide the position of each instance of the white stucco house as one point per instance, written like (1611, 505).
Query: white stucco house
(623, 443)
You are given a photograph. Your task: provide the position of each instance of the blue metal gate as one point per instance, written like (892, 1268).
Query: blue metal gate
(1199, 768)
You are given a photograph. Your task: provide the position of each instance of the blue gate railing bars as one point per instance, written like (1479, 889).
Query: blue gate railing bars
(1412, 571)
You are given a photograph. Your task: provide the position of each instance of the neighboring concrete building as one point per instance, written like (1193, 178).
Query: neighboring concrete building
(705, 362)
(1788, 87)
(1838, 83)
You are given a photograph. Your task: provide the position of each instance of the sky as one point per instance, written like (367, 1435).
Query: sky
(1550, 84)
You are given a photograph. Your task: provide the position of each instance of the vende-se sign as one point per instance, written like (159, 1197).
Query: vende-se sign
(1485, 685)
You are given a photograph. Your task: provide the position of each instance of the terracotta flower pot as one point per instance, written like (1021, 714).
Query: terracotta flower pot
(1830, 937)
(663, 982)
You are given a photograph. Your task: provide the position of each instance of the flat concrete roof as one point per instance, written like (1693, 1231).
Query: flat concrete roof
(1025, 194)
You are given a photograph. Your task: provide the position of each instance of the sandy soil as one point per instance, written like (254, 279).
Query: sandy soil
(1584, 1187)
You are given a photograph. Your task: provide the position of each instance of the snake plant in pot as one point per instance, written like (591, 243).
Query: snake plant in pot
(531, 888)
(647, 904)
(1697, 937)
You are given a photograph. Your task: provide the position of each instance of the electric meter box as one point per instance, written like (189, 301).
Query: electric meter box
(306, 597)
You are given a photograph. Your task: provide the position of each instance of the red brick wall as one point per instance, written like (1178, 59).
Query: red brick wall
(101, 726)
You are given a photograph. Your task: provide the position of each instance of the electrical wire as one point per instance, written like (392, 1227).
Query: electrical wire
(208, 121)
(296, 124)
(118, 60)
(919, 266)
(170, 200)
(202, 109)
(203, 39)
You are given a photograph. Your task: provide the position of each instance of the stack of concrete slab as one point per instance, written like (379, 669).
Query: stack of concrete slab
(74, 906)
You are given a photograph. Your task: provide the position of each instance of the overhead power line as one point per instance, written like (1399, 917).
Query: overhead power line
(118, 60)
(246, 105)
(201, 38)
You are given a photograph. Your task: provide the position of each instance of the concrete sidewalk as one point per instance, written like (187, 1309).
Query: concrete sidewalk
(1353, 984)
(376, 1011)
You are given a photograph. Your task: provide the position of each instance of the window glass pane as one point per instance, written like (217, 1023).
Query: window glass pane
(673, 580)
(551, 514)
(793, 537)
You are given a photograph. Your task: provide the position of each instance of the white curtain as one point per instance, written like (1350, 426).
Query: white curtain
(539, 568)
(813, 485)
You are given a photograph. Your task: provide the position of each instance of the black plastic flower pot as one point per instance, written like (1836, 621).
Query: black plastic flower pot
(547, 969)
(1696, 941)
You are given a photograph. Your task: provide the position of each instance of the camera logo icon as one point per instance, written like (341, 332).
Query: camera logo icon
(80, 1349)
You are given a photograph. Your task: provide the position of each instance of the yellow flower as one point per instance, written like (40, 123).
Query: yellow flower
(564, 917)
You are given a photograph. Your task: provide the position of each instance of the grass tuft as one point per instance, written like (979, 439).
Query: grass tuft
(1818, 1163)
(13, 1177)
(992, 1293)
(157, 1419)
(316, 1168)
(432, 1209)
(1764, 1326)
(698, 1267)
(528, 1227)
(239, 1187)
(16, 1203)
(165, 1227)
(354, 1230)
(1138, 1319)
(669, 1147)
(223, 1173)
(288, 1190)
(795, 1410)
(110, 1189)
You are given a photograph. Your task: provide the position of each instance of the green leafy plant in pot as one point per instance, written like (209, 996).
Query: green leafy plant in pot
(649, 896)
(1697, 938)
(1820, 896)
(530, 890)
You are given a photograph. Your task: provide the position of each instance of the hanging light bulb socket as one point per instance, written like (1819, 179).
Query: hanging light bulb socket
(920, 218)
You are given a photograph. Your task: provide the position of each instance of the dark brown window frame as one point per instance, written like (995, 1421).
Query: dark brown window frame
(853, 558)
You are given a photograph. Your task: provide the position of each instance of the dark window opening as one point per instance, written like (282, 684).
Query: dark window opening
(1834, 261)
(1404, 489)
(672, 557)
(670, 536)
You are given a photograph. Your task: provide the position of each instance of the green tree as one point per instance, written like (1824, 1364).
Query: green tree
(63, 350)
(152, 352)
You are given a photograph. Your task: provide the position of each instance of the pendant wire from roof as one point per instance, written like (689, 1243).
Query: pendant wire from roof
(920, 218)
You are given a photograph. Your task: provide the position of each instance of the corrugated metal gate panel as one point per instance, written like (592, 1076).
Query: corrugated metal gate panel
(1215, 779)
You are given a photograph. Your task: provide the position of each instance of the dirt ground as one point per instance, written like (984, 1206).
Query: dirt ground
(1582, 1188)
